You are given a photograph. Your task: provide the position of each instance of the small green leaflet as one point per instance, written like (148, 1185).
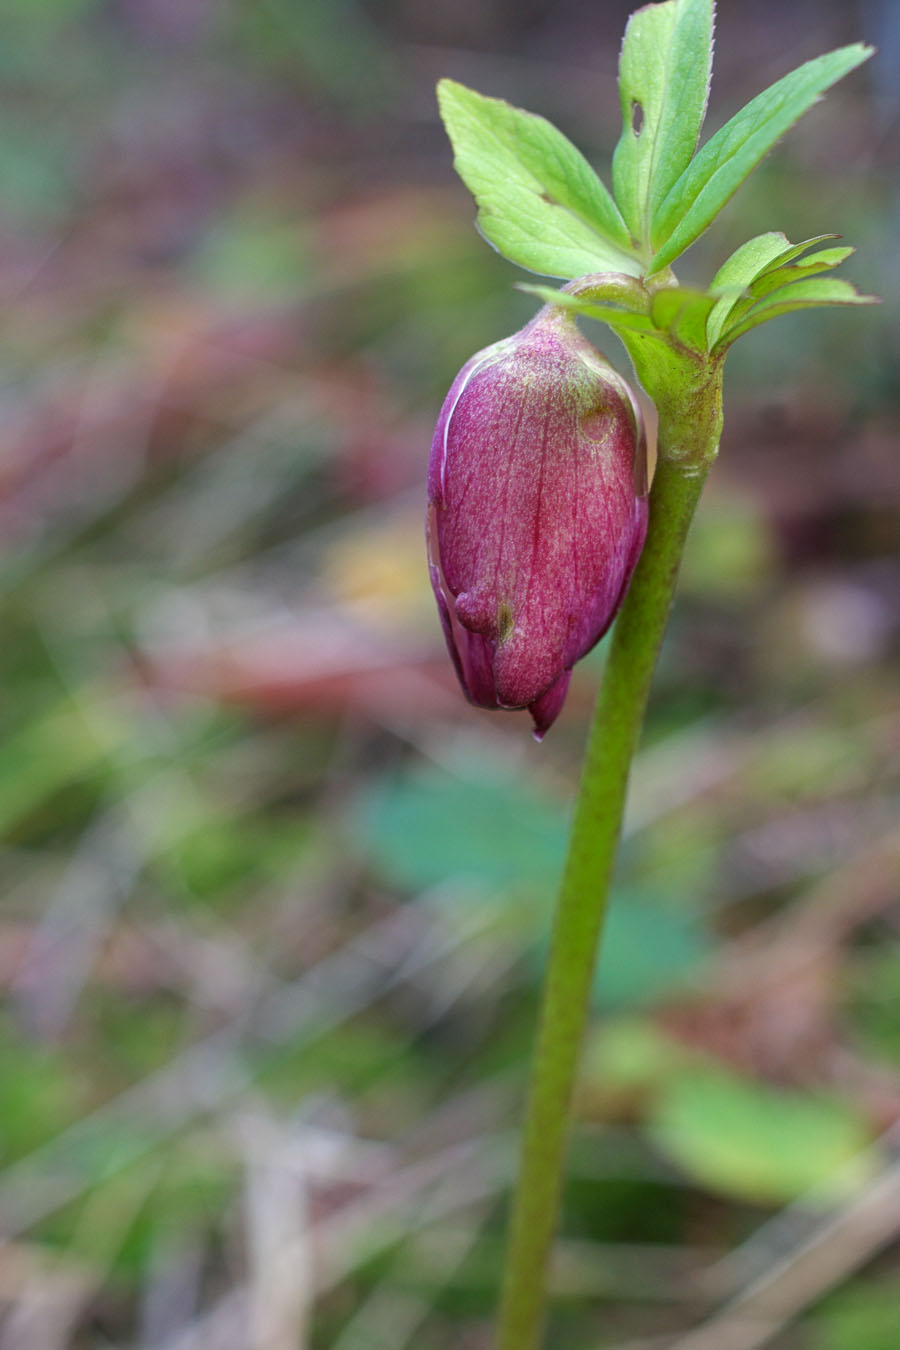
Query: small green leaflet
(664, 74)
(794, 251)
(539, 201)
(737, 272)
(798, 295)
(758, 258)
(768, 267)
(823, 261)
(719, 168)
(823, 257)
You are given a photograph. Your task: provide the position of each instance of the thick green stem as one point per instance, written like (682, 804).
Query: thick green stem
(582, 900)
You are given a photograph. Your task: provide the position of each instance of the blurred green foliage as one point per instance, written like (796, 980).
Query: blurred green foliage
(275, 897)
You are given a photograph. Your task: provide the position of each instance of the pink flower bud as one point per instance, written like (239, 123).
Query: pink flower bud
(537, 513)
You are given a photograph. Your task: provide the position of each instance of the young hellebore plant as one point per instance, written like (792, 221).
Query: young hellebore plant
(538, 525)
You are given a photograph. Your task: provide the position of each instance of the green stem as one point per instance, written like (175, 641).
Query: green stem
(583, 894)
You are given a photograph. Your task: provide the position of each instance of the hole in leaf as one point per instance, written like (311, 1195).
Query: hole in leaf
(637, 117)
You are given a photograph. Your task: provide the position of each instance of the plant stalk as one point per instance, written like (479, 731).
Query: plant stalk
(582, 902)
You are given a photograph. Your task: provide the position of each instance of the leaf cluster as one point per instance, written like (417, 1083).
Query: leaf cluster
(543, 206)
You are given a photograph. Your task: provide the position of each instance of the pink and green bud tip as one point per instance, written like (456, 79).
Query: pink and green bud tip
(537, 512)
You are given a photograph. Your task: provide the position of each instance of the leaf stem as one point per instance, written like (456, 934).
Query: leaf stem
(582, 902)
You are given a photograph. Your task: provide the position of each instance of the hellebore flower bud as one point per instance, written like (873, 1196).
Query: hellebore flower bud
(537, 513)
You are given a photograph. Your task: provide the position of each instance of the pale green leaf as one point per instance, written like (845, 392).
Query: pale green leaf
(751, 266)
(664, 75)
(825, 257)
(719, 168)
(814, 263)
(539, 201)
(799, 295)
(795, 250)
(746, 262)
(754, 1142)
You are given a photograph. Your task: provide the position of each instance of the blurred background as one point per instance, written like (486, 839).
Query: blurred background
(275, 899)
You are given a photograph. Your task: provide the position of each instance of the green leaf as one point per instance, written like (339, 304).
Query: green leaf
(683, 314)
(751, 264)
(613, 288)
(799, 295)
(664, 76)
(825, 257)
(795, 250)
(539, 201)
(428, 827)
(720, 167)
(677, 311)
(749, 1140)
(748, 261)
(648, 950)
(823, 261)
(736, 273)
(592, 309)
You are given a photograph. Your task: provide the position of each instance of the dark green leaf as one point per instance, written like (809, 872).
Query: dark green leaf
(720, 167)
(663, 85)
(539, 201)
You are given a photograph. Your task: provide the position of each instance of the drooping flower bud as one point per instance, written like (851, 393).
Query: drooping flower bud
(537, 513)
